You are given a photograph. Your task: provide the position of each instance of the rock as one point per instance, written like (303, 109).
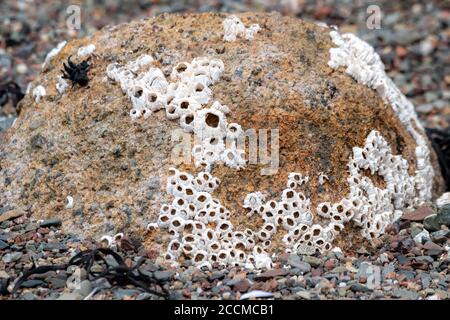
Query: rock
(418, 214)
(440, 236)
(305, 295)
(33, 283)
(216, 275)
(51, 223)
(3, 245)
(70, 296)
(12, 257)
(432, 248)
(163, 275)
(431, 223)
(358, 287)
(443, 200)
(405, 294)
(121, 294)
(12, 214)
(85, 288)
(57, 283)
(422, 237)
(313, 261)
(271, 274)
(444, 215)
(254, 294)
(296, 262)
(292, 81)
(6, 122)
(3, 286)
(242, 285)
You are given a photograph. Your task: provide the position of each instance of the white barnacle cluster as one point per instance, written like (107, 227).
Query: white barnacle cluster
(111, 241)
(86, 50)
(234, 28)
(184, 99)
(296, 180)
(200, 229)
(365, 65)
(61, 85)
(293, 214)
(38, 93)
(146, 90)
(217, 139)
(53, 53)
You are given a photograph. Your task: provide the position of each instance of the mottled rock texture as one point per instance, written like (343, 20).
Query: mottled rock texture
(83, 144)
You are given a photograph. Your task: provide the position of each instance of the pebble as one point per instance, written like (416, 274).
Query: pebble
(444, 215)
(85, 288)
(313, 261)
(271, 274)
(303, 295)
(431, 223)
(440, 236)
(163, 275)
(120, 294)
(32, 283)
(300, 266)
(12, 257)
(3, 245)
(22, 68)
(242, 285)
(70, 296)
(51, 223)
(356, 287)
(405, 294)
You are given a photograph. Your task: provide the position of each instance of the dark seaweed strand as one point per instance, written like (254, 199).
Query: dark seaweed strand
(440, 140)
(121, 274)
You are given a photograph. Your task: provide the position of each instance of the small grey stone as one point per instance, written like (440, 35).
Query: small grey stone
(425, 280)
(32, 283)
(431, 223)
(3, 245)
(85, 288)
(358, 287)
(57, 283)
(51, 223)
(405, 294)
(444, 215)
(29, 296)
(440, 236)
(296, 262)
(216, 275)
(120, 294)
(303, 295)
(54, 246)
(313, 261)
(70, 296)
(12, 257)
(163, 275)
(5, 209)
(363, 270)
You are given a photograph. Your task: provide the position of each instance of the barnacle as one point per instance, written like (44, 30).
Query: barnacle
(234, 28)
(38, 93)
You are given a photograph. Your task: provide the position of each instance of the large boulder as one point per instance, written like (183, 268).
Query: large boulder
(345, 151)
